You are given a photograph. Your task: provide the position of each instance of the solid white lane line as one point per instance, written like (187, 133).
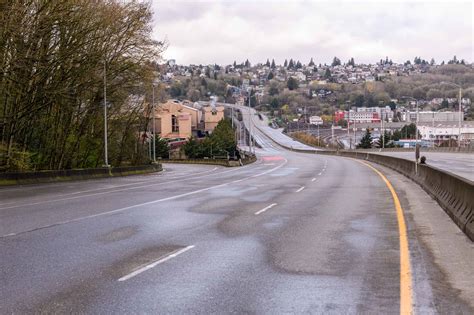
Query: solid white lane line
(265, 209)
(301, 188)
(149, 202)
(314, 178)
(154, 264)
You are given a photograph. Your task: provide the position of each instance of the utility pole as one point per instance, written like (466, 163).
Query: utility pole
(460, 119)
(319, 140)
(417, 150)
(332, 133)
(348, 133)
(355, 136)
(383, 130)
(232, 116)
(106, 157)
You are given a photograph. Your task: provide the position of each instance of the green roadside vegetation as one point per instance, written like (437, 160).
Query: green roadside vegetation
(54, 59)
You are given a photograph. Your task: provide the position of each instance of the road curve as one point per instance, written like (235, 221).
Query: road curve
(291, 233)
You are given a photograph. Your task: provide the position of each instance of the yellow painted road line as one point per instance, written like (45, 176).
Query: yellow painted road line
(406, 295)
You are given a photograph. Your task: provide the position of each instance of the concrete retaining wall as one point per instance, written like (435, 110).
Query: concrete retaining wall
(75, 174)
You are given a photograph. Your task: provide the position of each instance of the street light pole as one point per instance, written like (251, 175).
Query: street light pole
(106, 157)
(417, 147)
(154, 124)
(460, 107)
(250, 122)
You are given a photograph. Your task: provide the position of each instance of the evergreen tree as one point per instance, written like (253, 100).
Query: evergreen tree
(311, 63)
(292, 84)
(366, 141)
(161, 149)
(298, 65)
(385, 140)
(336, 62)
(247, 63)
(274, 103)
(270, 76)
(285, 64)
(327, 74)
(291, 64)
(235, 64)
(409, 131)
(267, 63)
(273, 65)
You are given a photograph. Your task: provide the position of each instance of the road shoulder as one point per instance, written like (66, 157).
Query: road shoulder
(442, 255)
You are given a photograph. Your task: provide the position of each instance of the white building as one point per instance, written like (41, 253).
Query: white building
(384, 113)
(362, 116)
(444, 132)
(434, 116)
(315, 120)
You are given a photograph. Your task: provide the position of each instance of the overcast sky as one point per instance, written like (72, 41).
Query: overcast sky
(205, 32)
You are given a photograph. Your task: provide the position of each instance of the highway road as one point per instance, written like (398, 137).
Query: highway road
(291, 233)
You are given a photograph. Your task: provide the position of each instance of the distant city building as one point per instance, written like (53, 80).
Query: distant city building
(442, 132)
(434, 116)
(316, 120)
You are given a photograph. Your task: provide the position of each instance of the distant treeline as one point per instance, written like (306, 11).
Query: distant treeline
(52, 60)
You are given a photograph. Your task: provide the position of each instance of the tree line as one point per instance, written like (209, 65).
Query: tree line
(54, 58)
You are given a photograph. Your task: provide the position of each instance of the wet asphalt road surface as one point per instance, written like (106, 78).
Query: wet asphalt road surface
(291, 233)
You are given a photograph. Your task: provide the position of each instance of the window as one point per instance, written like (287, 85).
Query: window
(174, 124)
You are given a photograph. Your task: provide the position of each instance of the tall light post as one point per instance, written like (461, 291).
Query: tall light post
(250, 121)
(460, 106)
(154, 123)
(106, 157)
(417, 147)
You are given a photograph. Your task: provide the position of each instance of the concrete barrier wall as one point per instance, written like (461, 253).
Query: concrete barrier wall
(227, 163)
(452, 150)
(75, 174)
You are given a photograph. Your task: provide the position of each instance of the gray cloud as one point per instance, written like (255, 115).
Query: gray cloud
(224, 31)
